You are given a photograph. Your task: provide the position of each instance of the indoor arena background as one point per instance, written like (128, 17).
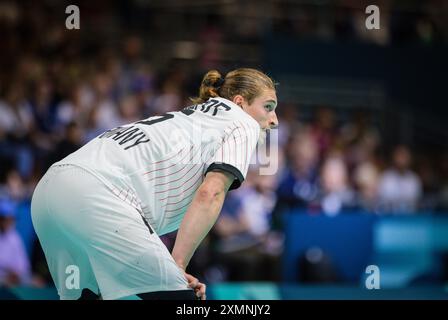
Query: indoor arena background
(358, 207)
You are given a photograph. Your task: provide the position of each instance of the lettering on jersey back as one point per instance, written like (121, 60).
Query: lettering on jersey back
(214, 105)
(129, 137)
(132, 136)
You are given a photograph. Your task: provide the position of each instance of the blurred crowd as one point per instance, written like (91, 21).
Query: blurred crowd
(56, 93)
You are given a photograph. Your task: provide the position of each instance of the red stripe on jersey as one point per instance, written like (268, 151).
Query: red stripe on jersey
(174, 164)
(178, 209)
(180, 185)
(157, 162)
(199, 168)
(161, 184)
(166, 160)
(186, 197)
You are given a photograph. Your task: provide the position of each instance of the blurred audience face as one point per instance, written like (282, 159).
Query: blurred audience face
(15, 94)
(6, 223)
(289, 113)
(74, 133)
(102, 84)
(366, 177)
(325, 118)
(129, 109)
(15, 185)
(265, 183)
(133, 46)
(401, 158)
(75, 94)
(44, 91)
(303, 151)
(334, 174)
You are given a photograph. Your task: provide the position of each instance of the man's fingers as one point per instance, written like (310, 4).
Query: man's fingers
(198, 287)
(200, 291)
(192, 281)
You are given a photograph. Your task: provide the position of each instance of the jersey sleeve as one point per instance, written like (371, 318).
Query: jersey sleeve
(234, 152)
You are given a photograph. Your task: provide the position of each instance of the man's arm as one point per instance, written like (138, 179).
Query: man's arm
(201, 215)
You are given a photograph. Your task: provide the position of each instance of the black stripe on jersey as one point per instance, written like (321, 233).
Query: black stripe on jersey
(145, 222)
(216, 166)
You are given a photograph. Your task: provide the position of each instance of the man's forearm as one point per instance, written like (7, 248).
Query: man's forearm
(197, 222)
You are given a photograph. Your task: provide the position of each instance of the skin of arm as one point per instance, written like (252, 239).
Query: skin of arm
(201, 215)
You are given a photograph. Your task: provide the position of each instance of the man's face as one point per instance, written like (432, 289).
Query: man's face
(262, 109)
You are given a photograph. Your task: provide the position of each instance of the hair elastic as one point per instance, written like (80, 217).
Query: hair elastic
(219, 83)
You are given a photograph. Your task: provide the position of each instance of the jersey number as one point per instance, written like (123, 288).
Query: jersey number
(164, 117)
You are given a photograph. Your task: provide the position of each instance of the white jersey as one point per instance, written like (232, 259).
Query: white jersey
(157, 164)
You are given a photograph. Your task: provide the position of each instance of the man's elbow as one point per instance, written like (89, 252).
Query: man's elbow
(208, 193)
(215, 186)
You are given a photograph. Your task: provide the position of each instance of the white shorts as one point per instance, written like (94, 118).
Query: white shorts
(82, 226)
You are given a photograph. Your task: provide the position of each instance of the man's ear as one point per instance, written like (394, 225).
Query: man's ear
(238, 99)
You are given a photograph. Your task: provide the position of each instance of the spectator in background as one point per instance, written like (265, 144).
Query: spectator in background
(17, 117)
(16, 123)
(170, 94)
(104, 113)
(431, 176)
(71, 141)
(14, 264)
(129, 109)
(211, 37)
(15, 187)
(360, 139)
(131, 62)
(288, 122)
(399, 188)
(323, 130)
(298, 186)
(18, 191)
(142, 88)
(77, 105)
(257, 202)
(246, 248)
(43, 103)
(337, 194)
(366, 178)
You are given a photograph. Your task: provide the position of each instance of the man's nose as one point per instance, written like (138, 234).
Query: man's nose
(273, 121)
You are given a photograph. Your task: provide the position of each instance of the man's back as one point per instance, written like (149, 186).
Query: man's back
(157, 164)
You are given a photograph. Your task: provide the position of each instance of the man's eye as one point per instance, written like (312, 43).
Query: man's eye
(268, 107)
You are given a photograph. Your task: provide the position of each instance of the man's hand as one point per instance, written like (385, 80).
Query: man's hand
(198, 287)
